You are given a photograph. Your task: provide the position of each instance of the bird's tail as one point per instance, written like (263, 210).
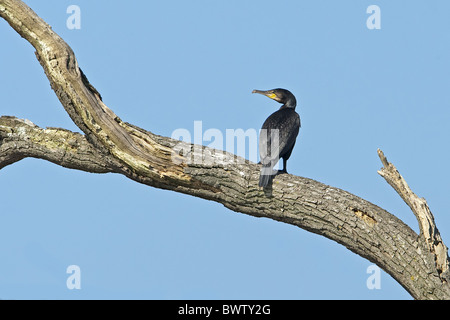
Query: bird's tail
(266, 175)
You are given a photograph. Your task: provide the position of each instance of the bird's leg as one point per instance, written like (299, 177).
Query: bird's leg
(284, 167)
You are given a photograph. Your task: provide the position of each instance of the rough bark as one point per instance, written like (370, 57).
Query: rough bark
(22, 138)
(418, 262)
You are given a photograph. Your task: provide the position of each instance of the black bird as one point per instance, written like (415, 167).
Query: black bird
(278, 134)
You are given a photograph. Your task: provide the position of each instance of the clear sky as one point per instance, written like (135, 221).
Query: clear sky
(162, 65)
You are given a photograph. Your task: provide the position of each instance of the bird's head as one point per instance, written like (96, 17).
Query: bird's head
(280, 95)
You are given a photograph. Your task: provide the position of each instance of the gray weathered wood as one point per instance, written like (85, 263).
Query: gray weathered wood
(111, 145)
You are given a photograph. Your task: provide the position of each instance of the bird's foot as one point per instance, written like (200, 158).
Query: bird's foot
(282, 171)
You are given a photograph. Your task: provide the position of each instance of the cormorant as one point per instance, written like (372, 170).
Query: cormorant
(278, 134)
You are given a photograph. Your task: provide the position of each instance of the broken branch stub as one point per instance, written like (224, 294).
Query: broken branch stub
(428, 230)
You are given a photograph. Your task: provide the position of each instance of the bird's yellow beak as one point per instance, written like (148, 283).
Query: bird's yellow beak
(268, 94)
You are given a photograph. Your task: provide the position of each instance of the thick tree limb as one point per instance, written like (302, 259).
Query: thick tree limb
(111, 145)
(21, 138)
(83, 103)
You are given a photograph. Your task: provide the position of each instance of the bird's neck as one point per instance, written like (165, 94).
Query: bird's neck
(289, 104)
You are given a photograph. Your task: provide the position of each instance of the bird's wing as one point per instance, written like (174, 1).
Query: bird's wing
(289, 133)
(278, 135)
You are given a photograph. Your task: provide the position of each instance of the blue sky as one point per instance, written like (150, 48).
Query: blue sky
(162, 65)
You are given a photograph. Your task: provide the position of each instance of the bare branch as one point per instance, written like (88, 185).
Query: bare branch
(83, 103)
(111, 145)
(419, 207)
(21, 138)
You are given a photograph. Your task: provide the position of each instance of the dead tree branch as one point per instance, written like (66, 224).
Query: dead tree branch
(418, 263)
(428, 230)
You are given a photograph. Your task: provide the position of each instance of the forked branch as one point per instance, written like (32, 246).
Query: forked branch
(111, 145)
